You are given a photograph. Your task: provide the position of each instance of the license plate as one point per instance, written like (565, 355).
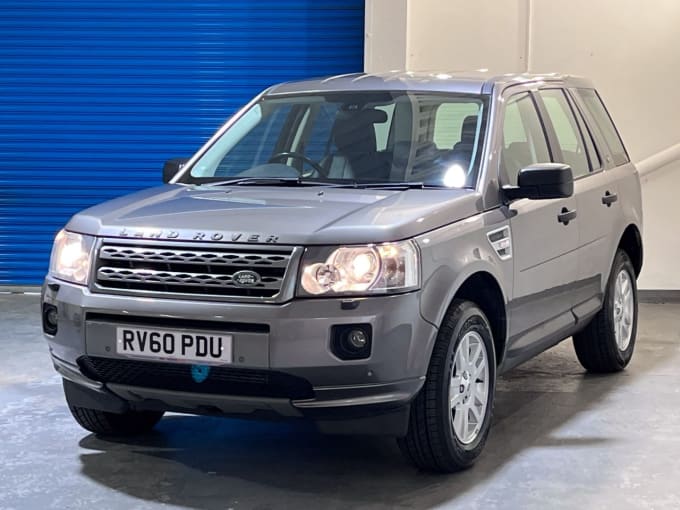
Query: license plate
(174, 345)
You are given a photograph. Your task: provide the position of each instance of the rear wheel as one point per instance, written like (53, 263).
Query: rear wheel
(451, 416)
(607, 343)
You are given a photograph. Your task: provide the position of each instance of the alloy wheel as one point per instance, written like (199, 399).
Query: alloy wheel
(469, 388)
(624, 309)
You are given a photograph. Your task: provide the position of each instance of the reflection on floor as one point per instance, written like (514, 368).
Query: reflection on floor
(561, 439)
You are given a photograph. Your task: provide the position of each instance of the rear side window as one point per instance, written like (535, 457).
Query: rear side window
(586, 131)
(599, 114)
(566, 130)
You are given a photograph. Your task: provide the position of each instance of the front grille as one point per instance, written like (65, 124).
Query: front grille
(178, 269)
(178, 377)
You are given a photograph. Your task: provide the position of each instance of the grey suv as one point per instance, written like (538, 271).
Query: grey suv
(367, 252)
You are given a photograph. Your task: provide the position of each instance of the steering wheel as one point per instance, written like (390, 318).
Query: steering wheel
(300, 156)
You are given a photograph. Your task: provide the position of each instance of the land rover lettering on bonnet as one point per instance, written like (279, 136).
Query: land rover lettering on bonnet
(234, 237)
(366, 252)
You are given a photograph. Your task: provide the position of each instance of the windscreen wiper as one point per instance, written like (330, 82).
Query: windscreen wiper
(267, 181)
(299, 181)
(388, 185)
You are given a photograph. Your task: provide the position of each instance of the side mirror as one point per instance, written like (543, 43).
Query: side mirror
(171, 167)
(542, 181)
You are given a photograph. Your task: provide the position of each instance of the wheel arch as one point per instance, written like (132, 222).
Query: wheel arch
(631, 243)
(484, 290)
(481, 286)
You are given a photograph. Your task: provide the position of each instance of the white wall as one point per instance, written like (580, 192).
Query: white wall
(454, 35)
(386, 34)
(630, 48)
(661, 235)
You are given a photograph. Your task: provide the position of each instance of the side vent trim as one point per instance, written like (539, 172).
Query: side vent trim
(501, 242)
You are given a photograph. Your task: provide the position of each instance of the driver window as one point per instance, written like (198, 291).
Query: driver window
(523, 141)
(319, 140)
(255, 148)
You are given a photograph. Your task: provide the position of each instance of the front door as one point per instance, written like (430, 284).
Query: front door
(545, 240)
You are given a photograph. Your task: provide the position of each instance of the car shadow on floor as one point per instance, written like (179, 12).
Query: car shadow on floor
(206, 463)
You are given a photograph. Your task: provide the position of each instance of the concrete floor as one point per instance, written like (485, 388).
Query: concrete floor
(561, 439)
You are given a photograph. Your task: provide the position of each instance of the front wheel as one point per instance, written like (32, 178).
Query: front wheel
(451, 416)
(607, 343)
(104, 423)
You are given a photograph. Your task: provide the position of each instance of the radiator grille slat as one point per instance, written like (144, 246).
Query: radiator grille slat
(153, 277)
(183, 270)
(175, 256)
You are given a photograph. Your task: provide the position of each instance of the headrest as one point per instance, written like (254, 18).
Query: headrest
(368, 116)
(353, 130)
(469, 129)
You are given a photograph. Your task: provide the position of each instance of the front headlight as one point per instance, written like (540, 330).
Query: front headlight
(368, 269)
(70, 259)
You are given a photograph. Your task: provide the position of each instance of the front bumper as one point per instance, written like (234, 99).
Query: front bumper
(292, 338)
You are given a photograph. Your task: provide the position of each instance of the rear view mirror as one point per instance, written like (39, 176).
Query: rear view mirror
(171, 167)
(542, 181)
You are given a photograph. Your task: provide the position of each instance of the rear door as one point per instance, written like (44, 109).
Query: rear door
(545, 260)
(596, 195)
(620, 194)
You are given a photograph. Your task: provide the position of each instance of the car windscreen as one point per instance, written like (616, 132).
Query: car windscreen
(362, 137)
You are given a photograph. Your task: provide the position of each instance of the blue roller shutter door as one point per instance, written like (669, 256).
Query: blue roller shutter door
(95, 95)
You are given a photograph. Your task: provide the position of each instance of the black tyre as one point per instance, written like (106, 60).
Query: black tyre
(607, 342)
(111, 424)
(451, 416)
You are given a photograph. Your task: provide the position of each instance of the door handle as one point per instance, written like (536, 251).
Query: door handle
(609, 198)
(566, 215)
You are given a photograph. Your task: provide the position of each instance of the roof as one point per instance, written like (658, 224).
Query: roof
(471, 82)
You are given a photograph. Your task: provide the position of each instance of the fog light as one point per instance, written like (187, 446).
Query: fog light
(351, 341)
(357, 338)
(50, 317)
